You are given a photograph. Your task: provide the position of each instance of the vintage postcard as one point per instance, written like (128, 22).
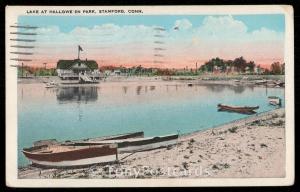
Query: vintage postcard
(100, 96)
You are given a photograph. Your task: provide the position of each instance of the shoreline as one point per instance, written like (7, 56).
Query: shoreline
(250, 147)
(236, 122)
(237, 81)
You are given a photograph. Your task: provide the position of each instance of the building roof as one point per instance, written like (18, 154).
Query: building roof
(67, 64)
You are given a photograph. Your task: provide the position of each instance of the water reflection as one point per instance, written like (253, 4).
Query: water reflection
(215, 88)
(152, 88)
(22, 93)
(138, 90)
(125, 88)
(76, 94)
(237, 88)
(80, 112)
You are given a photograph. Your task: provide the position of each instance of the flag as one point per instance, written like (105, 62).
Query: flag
(79, 48)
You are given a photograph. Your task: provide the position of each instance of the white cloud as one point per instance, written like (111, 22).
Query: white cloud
(222, 27)
(227, 29)
(265, 34)
(50, 30)
(216, 36)
(183, 24)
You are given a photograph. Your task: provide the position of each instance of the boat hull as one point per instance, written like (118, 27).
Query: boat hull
(276, 101)
(243, 110)
(246, 112)
(112, 137)
(50, 86)
(77, 157)
(146, 147)
(102, 138)
(135, 145)
(75, 163)
(122, 136)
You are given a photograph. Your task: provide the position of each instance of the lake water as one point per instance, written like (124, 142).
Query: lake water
(157, 108)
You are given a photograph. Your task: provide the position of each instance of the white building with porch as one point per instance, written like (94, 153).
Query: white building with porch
(81, 70)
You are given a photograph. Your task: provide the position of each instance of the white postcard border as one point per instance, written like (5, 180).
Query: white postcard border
(12, 12)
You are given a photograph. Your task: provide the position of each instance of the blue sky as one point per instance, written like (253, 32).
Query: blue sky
(67, 23)
(130, 40)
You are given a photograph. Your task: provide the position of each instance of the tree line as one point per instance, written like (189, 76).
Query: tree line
(36, 71)
(240, 65)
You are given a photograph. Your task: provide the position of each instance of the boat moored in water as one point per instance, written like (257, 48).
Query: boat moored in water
(51, 84)
(274, 100)
(238, 109)
(261, 82)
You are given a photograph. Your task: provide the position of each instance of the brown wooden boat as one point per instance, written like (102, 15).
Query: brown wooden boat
(51, 153)
(238, 109)
(92, 151)
(58, 155)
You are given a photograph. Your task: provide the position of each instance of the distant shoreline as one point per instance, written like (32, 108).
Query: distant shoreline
(203, 79)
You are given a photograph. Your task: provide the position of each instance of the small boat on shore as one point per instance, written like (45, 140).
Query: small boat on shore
(50, 153)
(238, 109)
(135, 144)
(70, 156)
(132, 135)
(47, 142)
(274, 100)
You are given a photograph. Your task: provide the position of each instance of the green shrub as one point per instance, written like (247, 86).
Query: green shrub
(233, 129)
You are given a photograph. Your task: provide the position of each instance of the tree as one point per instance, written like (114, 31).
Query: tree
(282, 68)
(208, 66)
(215, 62)
(229, 63)
(251, 65)
(240, 63)
(267, 72)
(275, 68)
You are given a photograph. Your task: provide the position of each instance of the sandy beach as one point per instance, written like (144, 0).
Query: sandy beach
(249, 148)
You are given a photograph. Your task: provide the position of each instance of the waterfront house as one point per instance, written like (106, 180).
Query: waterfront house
(258, 70)
(107, 72)
(217, 70)
(114, 72)
(231, 70)
(117, 72)
(73, 69)
(247, 70)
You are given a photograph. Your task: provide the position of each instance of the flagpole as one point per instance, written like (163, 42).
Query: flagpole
(78, 52)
